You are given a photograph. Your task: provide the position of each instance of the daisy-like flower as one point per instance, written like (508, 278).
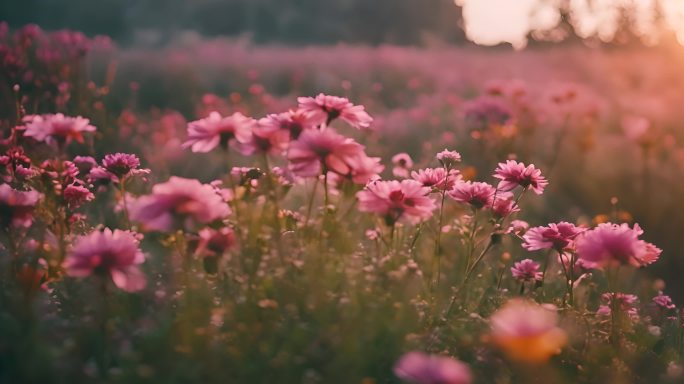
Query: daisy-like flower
(612, 244)
(436, 178)
(364, 169)
(394, 200)
(449, 159)
(664, 301)
(419, 368)
(503, 205)
(120, 164)
(477, 194)
(527, 331)
(316, 152)
(206, 134)
(84, 164)
(513, 174)
(266, 139)
(108, 253)
(323, 109)
(16, 207)
(402, 164)
(75, 195)
(526, 270)
(178, 203)
(556, 236)
(625, 302)
(294, 122)
(57, 127)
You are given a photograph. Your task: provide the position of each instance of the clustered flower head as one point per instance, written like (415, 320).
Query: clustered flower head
(615, 244)
(419, 368)
(115, 254)
(394, 200)
(513, 174)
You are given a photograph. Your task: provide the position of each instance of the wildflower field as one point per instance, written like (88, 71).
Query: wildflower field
(217, 212)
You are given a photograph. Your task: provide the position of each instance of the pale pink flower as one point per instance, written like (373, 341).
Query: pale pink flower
(513, 174)
(394, 200)
(402, 164)
(526, 270)
(624, 302)
(503, 205)
(527, 331)
(558, 236)
(113, 253)
(611, 244)
(16, 207)
(664, 301)
(178, 203)
(364, 169)
(293, 122)
(419, 368)
(57, 127)
(477, 194)
(317, 152)
(436, 178)
(266, 139)
(214, 130)
(519, 227)
(449, 159)
(323, 109)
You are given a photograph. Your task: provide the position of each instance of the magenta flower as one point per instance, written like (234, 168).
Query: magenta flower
(114, 253)
(397, 200)
(436, 178)
(84, 164)
(16, 207)
(419, 368)
(206, 134)
(293, 122)
(611, 244)
(215, 242)
(317, 152)
(664, 301)
(323, 109)
(120, 164)
(526, 270)
(554, 236)
(178, 203)
(513, 174)
(76, 195)
(476, 194)
(57, 127)
(625, 302)
(402, 164)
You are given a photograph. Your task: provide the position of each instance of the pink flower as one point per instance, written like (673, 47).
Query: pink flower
(554, 236)
(486, 110)
(436, 178)
(178, 203)
(120, 164)
(293, 122)
(513, 174)
(364, 169)
(84, 164)
(625, 302)
(266, 139)
(503, 205)
(16, 207)
(57, 127)
(214, 130)
(215, 242)
(476, 194)
(397, 200)
(323, 109)
(316, 152)
(664, 301)
(419, 368)
(610, 244)
(518, 227)
(449, 159)
(114, 253)
(402, 164)
(526, 270)
(75, 195)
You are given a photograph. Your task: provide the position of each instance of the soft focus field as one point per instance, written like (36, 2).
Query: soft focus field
(289, 264)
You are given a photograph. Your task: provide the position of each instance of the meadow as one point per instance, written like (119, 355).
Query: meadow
(216, 211)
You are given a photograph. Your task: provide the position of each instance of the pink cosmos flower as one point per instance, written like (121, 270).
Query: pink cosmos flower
(476, 194)
(419, 368)
(436, 178)
(402, 164)
(293, 122)
(503, 205)
(178, 203)
(206, 134)
(316, 152)
(519, 227)
(527, 331)
(16, 207)
(266, 139)
(120, 164)
(114, 253)
(449, 159)
(664, 301)
(75, 195)
(513, 174)
(397, 200)
(84, 164)
(364, 169)
(554, 236)
(323, 109)
(610, 244)
(57, 127)
(526, 270)
(625, 302)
